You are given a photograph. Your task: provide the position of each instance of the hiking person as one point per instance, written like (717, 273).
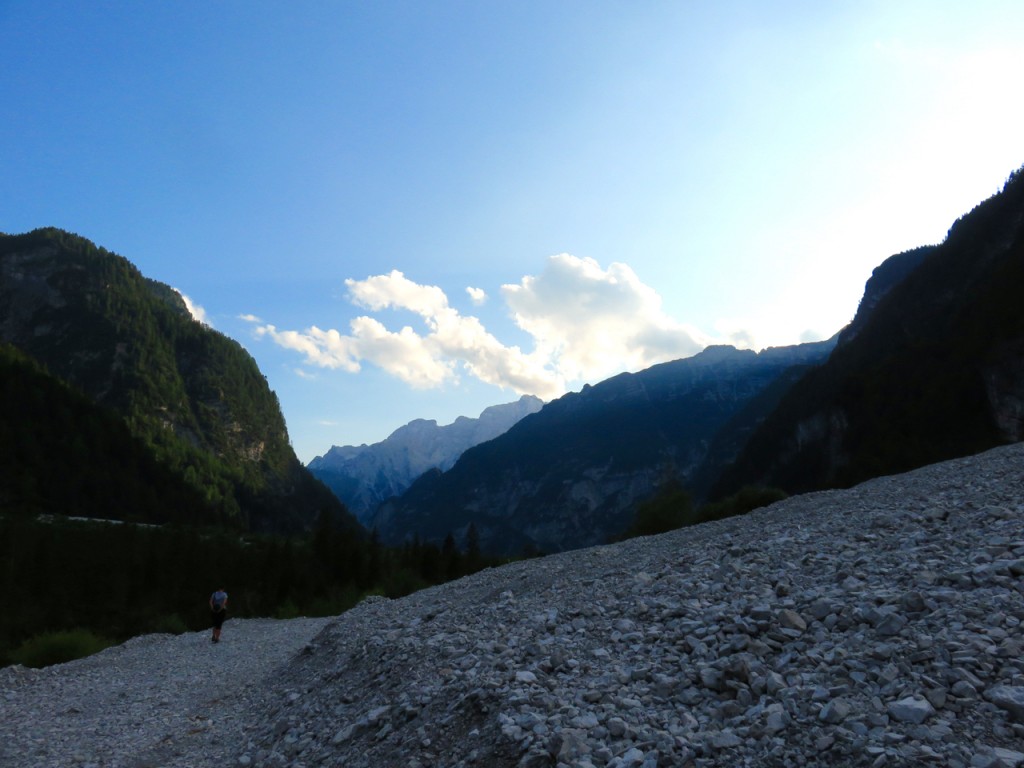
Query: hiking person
(219, 611)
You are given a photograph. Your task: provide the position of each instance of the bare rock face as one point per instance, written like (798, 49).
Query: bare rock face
(765, 640)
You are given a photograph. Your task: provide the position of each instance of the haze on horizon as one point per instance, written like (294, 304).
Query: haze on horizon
(410, 210)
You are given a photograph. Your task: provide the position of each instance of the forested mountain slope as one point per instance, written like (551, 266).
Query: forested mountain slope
(195, 397)
(931, 369)
(62, 453)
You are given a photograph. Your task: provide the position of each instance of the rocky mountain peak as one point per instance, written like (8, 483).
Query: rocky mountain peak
(366, 475)
(883, 279)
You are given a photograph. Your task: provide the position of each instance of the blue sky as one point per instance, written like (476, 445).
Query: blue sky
(417, 210)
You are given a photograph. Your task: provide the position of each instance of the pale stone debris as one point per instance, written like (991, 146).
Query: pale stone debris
(878, 626)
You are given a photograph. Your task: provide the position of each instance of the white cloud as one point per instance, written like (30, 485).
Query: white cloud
(586, 323)
(250, 318)
(742, 338)
(327, 349)
(395, 290)
(593, 322)
(477, 295)
(406, 354)
(197, 312)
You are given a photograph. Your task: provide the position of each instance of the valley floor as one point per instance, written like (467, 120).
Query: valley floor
(132, 705)
(878, 626)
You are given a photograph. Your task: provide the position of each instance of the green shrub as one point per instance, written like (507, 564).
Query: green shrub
(403, 582)
(287, 610)
(171, 625)
(671, 508)
(744, 500)
(58, 647)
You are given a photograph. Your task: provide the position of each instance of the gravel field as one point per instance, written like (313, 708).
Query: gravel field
(116, 707)
(878, 626)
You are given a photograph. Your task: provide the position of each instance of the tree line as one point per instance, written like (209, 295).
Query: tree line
(117, 580)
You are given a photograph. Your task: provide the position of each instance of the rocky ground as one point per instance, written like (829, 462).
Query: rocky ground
(124, 706)
(879, 626)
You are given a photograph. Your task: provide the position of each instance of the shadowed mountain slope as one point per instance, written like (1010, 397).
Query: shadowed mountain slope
(570, 475)
(930, 369)
(62, 453)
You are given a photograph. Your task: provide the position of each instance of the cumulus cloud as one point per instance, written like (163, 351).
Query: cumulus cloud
(197, 312)
(397, 291)
(477, 295)
(452, 342)
(586, 323)
(327, 349)
(593, 322)
(736, 334)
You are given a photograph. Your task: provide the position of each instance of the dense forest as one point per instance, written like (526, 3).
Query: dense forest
(97, 534)
(117, 580)
(60, 452)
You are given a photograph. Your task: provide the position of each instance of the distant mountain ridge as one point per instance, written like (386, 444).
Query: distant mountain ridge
(194, 396)
(365, 476)
(570, 475)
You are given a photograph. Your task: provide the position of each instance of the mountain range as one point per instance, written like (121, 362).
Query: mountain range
(364, 476)
(571, 474)
(930, 368)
